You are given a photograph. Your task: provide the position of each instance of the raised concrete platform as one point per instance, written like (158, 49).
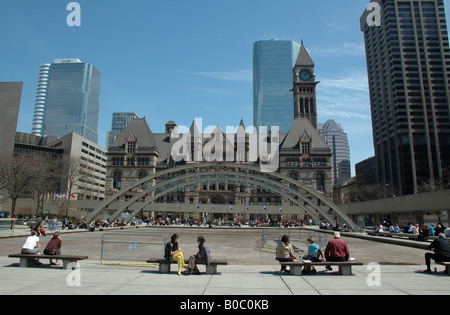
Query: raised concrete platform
(95, 278)
(250, 270)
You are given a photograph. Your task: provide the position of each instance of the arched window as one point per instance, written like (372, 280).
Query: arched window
(117, 180)
(320, 182)
(141, 176)
(295, 177)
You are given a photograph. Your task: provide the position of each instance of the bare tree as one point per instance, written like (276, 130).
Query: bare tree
(73, 173)
(436, 184)
(16, 175)
(47, 175)
(372, 192)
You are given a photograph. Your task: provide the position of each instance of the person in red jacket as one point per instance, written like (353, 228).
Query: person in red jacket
(336, 250)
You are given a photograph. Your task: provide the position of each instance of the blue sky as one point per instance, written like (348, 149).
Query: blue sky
(177, 60)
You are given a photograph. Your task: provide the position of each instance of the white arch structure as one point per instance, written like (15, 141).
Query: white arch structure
(157, 186)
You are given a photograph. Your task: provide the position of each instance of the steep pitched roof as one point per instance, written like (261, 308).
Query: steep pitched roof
(304, 58)
(303, 130)
(138, 129)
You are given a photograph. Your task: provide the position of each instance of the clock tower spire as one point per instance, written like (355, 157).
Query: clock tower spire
(305, 101)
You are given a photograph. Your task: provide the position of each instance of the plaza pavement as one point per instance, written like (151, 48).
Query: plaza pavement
(248, 276)
(94, 278)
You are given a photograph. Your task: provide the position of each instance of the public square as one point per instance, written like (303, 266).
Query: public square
(250, 270)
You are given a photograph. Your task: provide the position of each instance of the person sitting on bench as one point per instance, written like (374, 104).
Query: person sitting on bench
(202, 257)
(285, 252)
(336, 250)
(441, 252)
(174, 253)
(54, 248)
(32, 246)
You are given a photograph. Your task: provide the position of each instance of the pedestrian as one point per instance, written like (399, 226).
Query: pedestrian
(441, 252)
(284, 252)
(32, 246)
(447, 232)
(54, 248)
(202, 257)
(314, 255)
(174, 253)
(336, 250)
(439, 229)
(431, 229)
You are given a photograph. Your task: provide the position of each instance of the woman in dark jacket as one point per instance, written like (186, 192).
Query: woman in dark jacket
(202, 257)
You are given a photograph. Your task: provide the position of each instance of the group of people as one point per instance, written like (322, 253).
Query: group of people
(173, 253)
(415, 229)
(53, 247)
(336, 250)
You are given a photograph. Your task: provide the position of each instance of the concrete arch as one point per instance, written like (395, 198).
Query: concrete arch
(166, 190)
(239, 172)
(260, 180)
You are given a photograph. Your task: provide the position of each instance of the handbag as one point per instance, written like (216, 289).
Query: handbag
(49, 251)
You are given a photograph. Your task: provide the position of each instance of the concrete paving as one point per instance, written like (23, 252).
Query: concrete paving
(93, 278)
(250, 270)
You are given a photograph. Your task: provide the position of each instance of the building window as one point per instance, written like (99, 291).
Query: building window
(131, 147)
(320, 182)
(306, 147)
(141, 176)
(117, 180)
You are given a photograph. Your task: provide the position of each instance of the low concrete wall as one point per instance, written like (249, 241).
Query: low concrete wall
(432, 201)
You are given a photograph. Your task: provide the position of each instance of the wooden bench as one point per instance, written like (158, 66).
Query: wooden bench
(27, 260)
(164, 265)
(345, 267)
(444, 263)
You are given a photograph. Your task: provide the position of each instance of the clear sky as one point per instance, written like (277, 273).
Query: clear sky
(178, 60)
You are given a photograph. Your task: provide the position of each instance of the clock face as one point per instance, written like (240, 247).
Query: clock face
(305, 75)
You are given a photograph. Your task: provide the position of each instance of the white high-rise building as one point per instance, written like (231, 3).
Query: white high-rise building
(337, 141)
(41, 96)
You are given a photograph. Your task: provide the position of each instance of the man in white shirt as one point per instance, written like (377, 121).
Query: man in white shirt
(31, 245)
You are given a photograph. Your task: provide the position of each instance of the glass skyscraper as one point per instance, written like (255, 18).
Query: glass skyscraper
(69, 99)
(273, 61)
(408, 60)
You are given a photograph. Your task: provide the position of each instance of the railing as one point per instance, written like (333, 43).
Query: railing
(7, 226)
(298, 238)
(131, 249)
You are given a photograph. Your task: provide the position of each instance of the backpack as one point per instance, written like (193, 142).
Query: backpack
(319, 255)
(168, 250)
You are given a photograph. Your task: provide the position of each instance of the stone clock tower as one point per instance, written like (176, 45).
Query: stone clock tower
(305, 101)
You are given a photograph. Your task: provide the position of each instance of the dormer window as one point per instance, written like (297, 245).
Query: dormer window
(131, 143)
(306, 147)
(131, 147)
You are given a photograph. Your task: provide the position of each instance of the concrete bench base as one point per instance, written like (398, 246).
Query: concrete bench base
(164, 265)
(27, 260)
(345, 267)
(446, 264)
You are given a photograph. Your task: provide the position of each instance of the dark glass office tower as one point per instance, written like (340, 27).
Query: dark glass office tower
(408, 63)
(72, 101)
